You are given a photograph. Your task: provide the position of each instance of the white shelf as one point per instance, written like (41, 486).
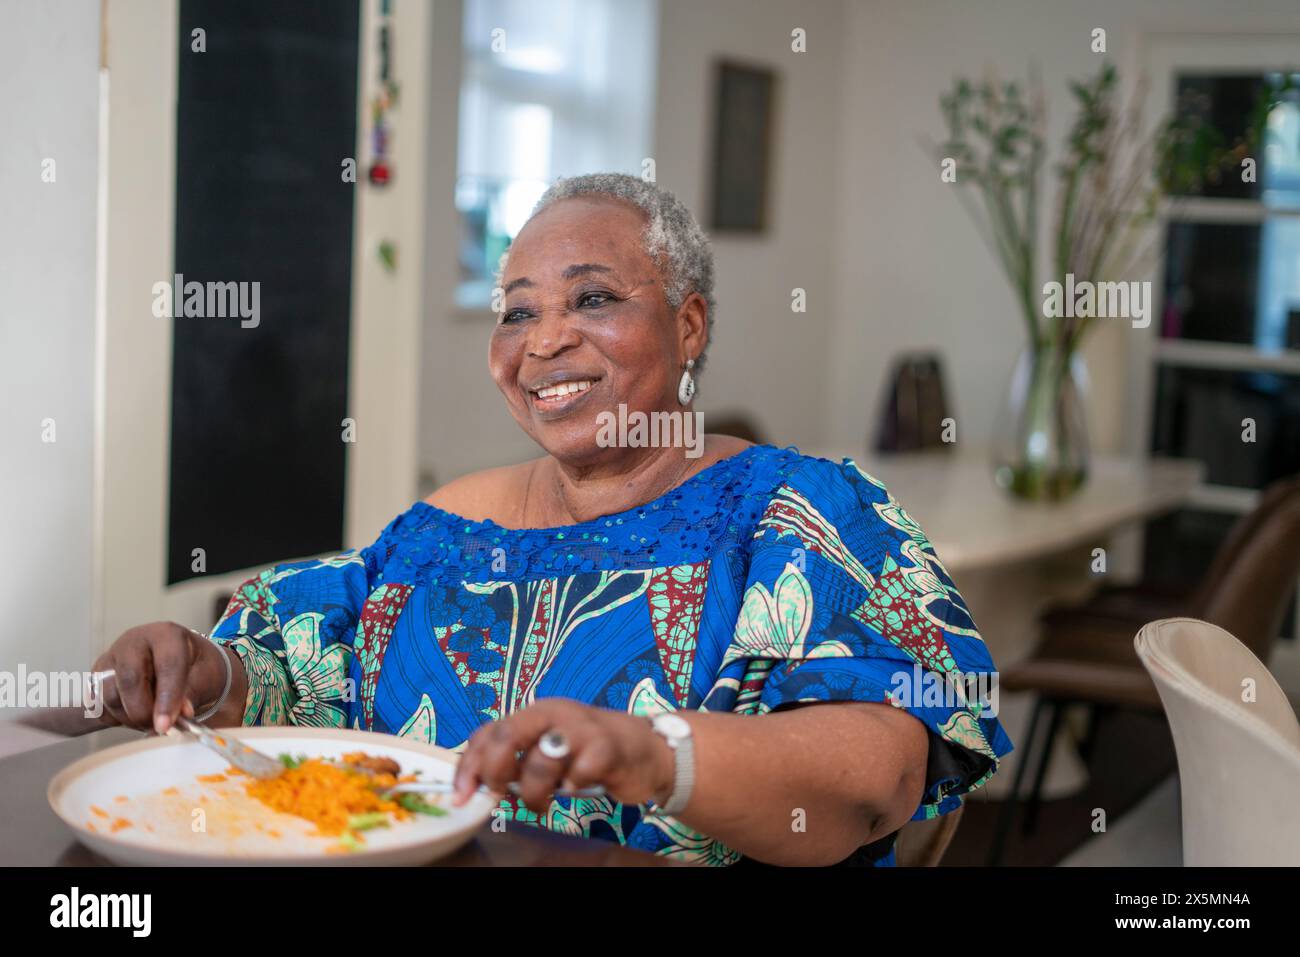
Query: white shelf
(1225, 355)
(1210, 210)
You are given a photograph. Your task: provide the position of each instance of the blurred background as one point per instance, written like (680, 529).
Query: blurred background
(365, 162)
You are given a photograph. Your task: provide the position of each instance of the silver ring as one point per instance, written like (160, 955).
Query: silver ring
(95, 681)
(554, 745)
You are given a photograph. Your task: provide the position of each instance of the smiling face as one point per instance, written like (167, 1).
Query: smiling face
(586, 327)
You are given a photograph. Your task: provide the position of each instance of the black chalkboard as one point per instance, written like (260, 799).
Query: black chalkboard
(265, 115)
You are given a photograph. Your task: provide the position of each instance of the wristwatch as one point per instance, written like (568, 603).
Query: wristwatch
(676, 731)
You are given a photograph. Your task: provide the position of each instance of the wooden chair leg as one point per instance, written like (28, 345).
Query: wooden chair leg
(1007, 813)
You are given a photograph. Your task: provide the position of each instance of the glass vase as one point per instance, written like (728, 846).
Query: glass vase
(1041, 448)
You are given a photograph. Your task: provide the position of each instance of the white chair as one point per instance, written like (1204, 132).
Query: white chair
(1238, 745)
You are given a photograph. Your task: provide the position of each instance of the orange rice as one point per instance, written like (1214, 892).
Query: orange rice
(326, 795)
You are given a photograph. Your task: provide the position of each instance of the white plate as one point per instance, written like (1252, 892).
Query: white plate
(216, 823)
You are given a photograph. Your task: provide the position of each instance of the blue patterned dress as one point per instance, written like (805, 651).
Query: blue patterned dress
(768, 578)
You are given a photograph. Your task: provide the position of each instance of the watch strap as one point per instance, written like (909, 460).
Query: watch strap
(683, 749)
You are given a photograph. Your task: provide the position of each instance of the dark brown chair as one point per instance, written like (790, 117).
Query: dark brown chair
(1102, 628)
(1088, 657)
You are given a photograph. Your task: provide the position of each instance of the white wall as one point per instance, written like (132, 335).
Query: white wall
(765, 359)
(141, 54)
(49, 67)
(914, 272)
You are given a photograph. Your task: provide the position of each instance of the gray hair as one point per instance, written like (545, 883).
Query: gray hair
(672, 236)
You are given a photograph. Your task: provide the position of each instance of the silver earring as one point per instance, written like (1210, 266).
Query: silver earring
(686, 387)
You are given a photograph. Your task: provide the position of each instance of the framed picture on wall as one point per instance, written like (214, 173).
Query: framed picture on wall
(744, 115)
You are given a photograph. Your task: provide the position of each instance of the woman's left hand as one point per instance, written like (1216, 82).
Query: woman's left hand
(614, 749)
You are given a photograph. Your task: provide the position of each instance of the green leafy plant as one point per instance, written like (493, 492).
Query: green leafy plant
(1111, 179)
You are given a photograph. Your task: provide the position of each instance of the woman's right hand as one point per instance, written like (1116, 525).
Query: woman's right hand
(162, 670)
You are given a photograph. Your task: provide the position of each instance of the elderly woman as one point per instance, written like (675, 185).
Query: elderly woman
(728, 640)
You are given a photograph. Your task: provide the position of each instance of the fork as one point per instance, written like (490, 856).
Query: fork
(249, 760)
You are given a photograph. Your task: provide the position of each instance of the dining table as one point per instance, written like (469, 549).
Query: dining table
(32, 835)
(975, 525)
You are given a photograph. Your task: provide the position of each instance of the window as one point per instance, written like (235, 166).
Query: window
(547, 90)
(1233, 255)
(1230, 326)
(1227, 359)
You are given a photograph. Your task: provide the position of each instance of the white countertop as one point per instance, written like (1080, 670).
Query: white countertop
(974, 524)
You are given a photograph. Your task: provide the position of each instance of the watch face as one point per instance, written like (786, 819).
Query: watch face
(672, 726)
